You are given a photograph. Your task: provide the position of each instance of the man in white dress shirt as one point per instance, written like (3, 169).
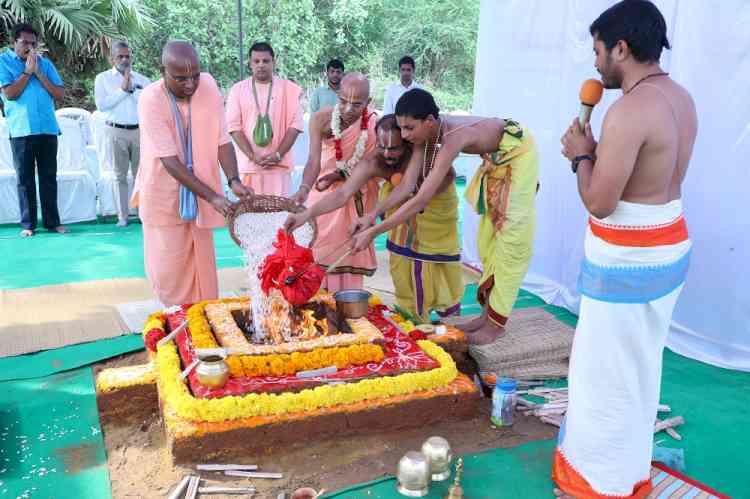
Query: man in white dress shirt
(116, 92)
(394, 92)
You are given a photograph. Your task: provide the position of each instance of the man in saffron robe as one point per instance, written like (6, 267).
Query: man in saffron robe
(264, 128)
(182, 115)
(332, 159)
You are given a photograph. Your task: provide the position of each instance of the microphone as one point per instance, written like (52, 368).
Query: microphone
(591, 94)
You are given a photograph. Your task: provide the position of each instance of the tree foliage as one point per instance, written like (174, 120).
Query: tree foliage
(368, 35)
(75, 34)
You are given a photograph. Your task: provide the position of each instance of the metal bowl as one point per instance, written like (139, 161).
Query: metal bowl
(437, 450)
(413, 475)
(352, 303)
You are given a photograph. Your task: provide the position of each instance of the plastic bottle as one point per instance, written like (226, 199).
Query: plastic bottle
(503, 402)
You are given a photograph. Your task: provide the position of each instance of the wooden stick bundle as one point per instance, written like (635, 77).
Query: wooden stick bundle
(555, 406)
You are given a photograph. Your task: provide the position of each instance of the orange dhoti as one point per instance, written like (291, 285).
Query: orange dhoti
(284, 111)
(333, 231)
(272, 181)
(333, 227)
(180, 263)
(179, 254)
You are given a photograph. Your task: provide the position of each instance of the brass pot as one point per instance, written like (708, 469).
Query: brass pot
(413, 475)
(352, 303)
(212, 372)
(437, 450)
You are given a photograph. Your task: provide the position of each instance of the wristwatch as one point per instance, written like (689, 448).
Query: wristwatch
(578, 159)
(232, 179)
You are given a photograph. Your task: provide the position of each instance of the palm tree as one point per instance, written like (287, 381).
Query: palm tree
(78, 30)
(76, 34)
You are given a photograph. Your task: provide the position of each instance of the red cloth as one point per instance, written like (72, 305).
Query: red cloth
(402, 354)
(153, 337)
(288, 260)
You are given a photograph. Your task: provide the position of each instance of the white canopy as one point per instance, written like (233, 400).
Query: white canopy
(532, 57)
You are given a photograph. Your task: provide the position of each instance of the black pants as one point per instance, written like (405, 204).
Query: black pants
(36, 152)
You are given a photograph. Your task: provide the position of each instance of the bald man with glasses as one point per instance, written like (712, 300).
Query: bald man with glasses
(178, 191)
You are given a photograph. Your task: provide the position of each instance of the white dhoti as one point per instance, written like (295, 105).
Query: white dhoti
(634, 269)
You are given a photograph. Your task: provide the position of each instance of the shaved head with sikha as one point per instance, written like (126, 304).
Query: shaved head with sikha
(354, 96)
(180, 68)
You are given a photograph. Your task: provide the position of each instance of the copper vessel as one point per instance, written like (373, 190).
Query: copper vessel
(212, 372)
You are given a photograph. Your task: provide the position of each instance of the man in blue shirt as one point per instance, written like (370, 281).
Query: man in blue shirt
(328, 95)
(30, 85)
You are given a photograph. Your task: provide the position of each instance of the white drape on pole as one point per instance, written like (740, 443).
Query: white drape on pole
(532, 57)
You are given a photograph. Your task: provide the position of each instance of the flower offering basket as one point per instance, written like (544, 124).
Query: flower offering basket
(264, 204)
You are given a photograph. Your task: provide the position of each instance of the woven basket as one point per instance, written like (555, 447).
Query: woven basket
(264, 204)
(535, 346)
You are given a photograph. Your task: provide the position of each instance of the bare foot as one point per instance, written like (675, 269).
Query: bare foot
(27, 233)
(469, 327)
(486, 334)
(60, 230)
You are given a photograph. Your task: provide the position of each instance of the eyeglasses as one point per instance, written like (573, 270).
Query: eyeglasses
(184, 79)
(28, 43)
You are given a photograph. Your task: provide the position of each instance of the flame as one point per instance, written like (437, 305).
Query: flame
(278, 317)
(280, 327)
(307, 327)
(323, 325)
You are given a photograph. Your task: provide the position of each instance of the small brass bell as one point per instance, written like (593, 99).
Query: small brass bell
(456, 491)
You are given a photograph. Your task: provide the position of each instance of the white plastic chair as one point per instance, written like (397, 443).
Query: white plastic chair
(84, 120)
(9, 212)
(106, 182)
(76, 188)
(300, 151)
(82, 116)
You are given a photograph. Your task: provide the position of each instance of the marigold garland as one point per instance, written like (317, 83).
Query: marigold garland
(278, 364)
(188, 407)
(285, 364)
(406, 325)
(153, 330)
(118, 378)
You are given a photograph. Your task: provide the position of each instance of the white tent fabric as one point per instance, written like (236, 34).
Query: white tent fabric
(300, 151)
(532, 57)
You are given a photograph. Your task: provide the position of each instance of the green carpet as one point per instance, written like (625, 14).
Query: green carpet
(712, 400)
(92, 251)
(49, 362)
(99, 250)
(50, 441)
(519, 472)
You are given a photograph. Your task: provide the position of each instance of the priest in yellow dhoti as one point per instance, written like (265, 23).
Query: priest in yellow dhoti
(425, 256)
(424, 252)
(503, 191)
(178, 189)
